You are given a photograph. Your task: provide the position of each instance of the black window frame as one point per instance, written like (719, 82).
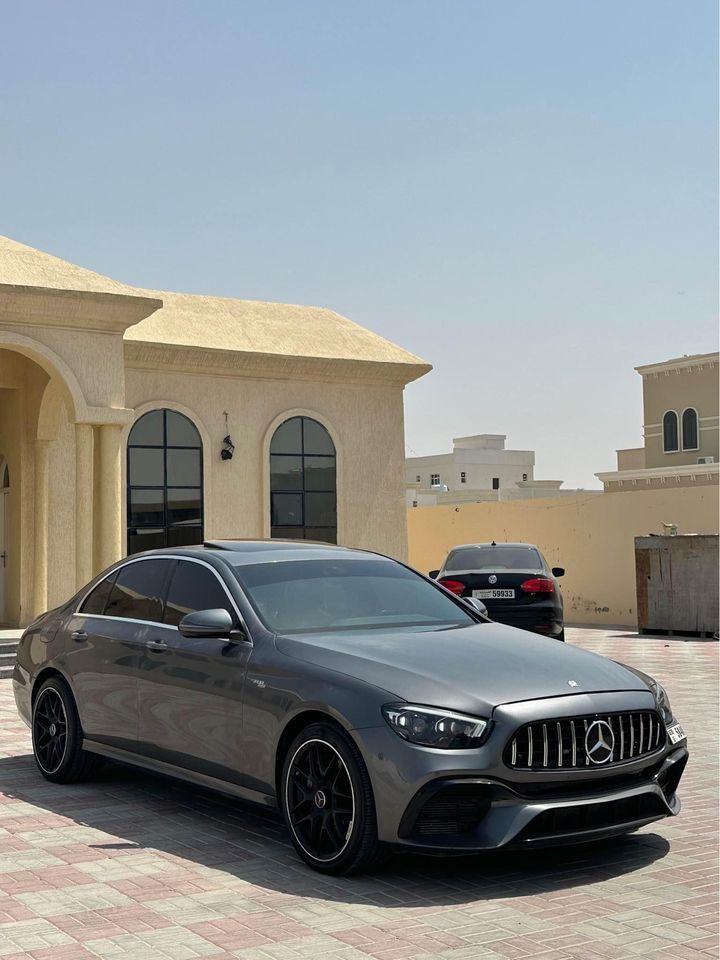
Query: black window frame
(670, 422)
(302, 489)
(695, 428)
(496, 483)
(165, 527)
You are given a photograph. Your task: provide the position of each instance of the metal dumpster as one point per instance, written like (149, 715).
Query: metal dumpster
(677, 584)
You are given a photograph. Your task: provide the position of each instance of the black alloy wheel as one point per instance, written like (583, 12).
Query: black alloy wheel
(327, 802)
(57, 735)
(321, 803)
(49, 730)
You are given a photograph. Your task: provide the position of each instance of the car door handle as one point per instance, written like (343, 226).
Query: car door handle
(79, 635)
(157, 645)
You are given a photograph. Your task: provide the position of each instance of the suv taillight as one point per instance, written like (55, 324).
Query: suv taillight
(538, 585)
(454, 586)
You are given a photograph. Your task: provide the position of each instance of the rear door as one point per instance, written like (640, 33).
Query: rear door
(191, 691)
(107, 638)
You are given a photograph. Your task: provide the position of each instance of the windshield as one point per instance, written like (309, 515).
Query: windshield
(313, 595)
(500, 557)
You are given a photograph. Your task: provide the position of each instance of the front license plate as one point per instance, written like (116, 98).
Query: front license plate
(675, 733)
(494, 594)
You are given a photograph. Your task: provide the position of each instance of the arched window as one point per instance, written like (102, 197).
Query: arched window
(690, 429)
(303, 501)
(670, 432)
(164, 482)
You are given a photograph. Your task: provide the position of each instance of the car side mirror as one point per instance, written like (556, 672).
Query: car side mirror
(217, 624)
(558, 571)
(433, 574)
(476, 604)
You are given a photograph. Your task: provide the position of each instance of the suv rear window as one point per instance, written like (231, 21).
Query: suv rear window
(501, 557)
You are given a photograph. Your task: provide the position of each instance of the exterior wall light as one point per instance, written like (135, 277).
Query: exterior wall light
(228, 448)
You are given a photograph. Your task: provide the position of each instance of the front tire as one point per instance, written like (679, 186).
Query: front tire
(57, 735)
(327, 802)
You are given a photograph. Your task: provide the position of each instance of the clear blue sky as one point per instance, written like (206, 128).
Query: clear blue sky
(524, 193)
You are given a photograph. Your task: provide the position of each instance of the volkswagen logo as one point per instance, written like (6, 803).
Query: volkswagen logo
(599, 742)
(492, 578)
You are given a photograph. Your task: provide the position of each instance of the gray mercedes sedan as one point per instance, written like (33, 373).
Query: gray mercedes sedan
(372, 706)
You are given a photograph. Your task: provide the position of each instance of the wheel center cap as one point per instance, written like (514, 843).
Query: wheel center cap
(53, 729)
(320, 800)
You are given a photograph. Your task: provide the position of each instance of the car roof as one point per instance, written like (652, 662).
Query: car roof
(465, 546)
(242, 552)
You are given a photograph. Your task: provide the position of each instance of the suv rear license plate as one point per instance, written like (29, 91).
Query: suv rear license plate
(675, 733)
(494, 594)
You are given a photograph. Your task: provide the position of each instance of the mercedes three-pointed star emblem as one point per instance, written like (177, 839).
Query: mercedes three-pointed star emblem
(599, 742)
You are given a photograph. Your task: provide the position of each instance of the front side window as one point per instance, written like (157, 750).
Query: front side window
(690, 429)
(138, 590)
(303, 482)
(194, 587)
(164, 482)
(338, 595)
(670, 432)
(500, 557)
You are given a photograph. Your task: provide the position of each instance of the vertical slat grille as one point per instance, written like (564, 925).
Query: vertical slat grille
(560, 744)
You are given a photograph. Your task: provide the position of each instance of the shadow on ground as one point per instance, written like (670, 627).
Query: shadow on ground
(133, 810)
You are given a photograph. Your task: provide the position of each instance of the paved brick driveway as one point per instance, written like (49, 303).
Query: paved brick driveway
(137, 867)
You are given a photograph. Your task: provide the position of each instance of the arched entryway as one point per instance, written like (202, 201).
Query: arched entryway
(4, 534)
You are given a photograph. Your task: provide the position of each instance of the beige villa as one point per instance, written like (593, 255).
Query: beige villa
(681, 427)
(131, 419)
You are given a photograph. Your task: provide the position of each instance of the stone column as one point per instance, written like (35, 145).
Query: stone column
(83, 503)
(42, 517)
(110, 533)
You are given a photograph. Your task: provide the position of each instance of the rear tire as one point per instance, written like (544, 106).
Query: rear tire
(327, 801)
(57, 735)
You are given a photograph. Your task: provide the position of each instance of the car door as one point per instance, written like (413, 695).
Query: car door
(107, 637)
(190, 691)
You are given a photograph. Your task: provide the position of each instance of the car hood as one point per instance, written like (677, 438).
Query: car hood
(471, 669)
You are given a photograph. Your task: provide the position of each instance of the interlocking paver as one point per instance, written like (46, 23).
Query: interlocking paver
(139, 868)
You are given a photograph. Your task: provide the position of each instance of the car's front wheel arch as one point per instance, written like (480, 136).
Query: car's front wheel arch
(294, 726)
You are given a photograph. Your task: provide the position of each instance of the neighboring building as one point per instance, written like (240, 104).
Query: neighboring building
(119, 408)
(476, 463)
(681, 415)
(478, 469)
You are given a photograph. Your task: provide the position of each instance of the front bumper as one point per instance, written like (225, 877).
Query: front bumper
(472, 814)
(464, 801)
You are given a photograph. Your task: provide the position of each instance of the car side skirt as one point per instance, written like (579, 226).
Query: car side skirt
(179, 773)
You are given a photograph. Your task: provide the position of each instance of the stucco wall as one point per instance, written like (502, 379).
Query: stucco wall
(695, 386)
(366, 424)
(591, 536)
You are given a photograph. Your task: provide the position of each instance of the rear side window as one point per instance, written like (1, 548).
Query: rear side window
(137, 591)
(194, 587)
(96, 600)
(500, 557)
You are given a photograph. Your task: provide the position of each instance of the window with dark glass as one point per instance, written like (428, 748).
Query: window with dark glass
(690, 429)
(164, 482)
(138, 590)
(194, 587)
(97, 599)
(303, 488)
(496, 483)
(463, 477)
(670, 432)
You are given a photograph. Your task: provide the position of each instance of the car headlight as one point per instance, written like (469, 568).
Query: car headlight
(662, 701)
(430, 727)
